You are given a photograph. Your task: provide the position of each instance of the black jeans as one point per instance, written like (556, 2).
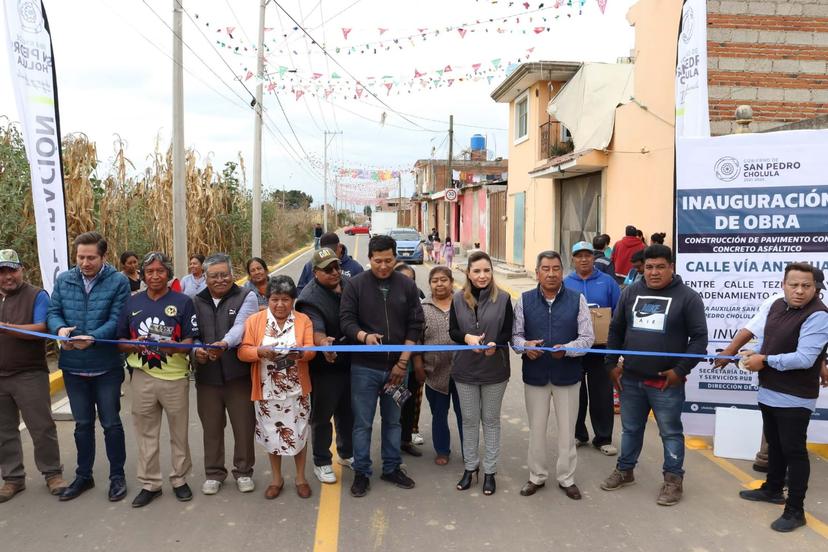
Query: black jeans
(331, 397)
(410, 412)
(596, 392)
(786, 431)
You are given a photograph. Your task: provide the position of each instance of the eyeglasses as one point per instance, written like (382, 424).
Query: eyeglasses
(218, 276)
(331, 268)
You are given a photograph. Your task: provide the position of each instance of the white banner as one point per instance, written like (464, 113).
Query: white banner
(747, 205)
(33, 77)
(692, 112)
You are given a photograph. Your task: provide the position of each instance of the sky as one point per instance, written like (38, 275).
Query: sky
(114, 67)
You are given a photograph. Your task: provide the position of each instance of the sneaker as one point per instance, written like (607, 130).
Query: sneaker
(617, 479)
(671, 490)
(347, 462)
(763, 495)
(245, 484)
(11, 488)
(581, 443)
(417, 439)
(398, 478)
(211, 487)
(608, 450)
(324, 474)
(788, 521)
(360, 485)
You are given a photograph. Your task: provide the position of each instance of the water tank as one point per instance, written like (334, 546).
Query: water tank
(478, 142)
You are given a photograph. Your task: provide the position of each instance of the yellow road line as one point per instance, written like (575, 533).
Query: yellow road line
(282, 262)
(749, 482)
(326, 538)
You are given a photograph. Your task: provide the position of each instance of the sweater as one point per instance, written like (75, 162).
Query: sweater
(94, 314)
(599, 288)
(254, 330)
(668, 320)
(622, 253)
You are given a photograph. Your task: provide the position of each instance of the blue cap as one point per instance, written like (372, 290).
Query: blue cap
(582, 246)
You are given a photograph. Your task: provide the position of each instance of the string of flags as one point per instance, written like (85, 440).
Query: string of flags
(529, 22)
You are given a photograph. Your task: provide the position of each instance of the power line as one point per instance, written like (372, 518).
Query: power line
(315, 43)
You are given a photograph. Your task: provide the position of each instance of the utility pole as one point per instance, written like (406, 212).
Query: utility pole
(399, 199)
(325, 168)
(256, 230)
(179, 192)
(449, 171)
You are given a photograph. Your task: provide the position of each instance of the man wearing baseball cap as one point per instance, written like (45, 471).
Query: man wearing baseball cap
(24, 382)
(330, 372)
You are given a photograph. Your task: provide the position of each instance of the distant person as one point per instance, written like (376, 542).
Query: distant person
(602, 261)
(448, 251)
(194, 282)
(438, 249)
(430, 242)
(222, 380)
(657, 314)
(257, 277)
(348, 265)
(553, 315)
(379, 306)
(86, 303)
(608, 250)
(636, 272)
(640, 235)
(160, 383)
(281, 381)
(317, 235)
(481, 315)
(129, 268)
(330, 373)
(623, 251)
(24, 383)
(658, 238)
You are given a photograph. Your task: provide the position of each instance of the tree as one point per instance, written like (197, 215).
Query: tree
(367, 211)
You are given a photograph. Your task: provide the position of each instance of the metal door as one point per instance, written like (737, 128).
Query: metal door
(579, 211)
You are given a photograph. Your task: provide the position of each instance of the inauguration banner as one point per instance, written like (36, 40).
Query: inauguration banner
(747, 206)
(692, 112)
(33, 76)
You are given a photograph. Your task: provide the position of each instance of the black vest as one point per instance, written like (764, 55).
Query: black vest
(213, 324)
(325, 302)
(782, 336)
(17, 355)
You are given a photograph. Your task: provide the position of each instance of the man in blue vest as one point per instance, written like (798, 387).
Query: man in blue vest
(789, 364)
(552, 316)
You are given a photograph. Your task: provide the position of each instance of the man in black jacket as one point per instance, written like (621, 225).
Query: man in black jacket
(379, 306)
(660, 314)
(330, 372)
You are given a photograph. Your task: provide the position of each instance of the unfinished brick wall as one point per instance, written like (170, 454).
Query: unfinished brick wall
(771, 55)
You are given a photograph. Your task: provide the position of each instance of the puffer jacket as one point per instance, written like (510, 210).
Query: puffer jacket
(95, 314)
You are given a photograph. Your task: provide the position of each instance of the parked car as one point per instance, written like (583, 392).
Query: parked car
(410, 245)
(356, 229)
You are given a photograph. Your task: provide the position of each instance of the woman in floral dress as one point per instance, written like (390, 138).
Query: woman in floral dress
(281, 381)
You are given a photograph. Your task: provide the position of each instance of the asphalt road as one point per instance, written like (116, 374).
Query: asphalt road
(433, 516)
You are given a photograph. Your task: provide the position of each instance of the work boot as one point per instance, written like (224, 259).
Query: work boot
(56, 485)
(617, 479)
(671, 490)
(11, 488)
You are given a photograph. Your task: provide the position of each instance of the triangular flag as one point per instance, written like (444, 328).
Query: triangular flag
(475, 66)
(417, 74)
(316, 75)
(299, 94)
(382, 31)
(602, 4)
(496, 63)
(462, 32)
(335, 76)
(530, 50)
(345, 32)
(450, 82)
(282, 70)
(388, 85)
(526, 5)
(359, 91)
(230, 31)
(328, 92)
(538, 30)
(249, 74)
(439, 72)
(422, 30)
(489, 78)
(447, 69)
(271, 87)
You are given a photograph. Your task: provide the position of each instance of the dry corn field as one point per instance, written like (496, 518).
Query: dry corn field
(133, 209)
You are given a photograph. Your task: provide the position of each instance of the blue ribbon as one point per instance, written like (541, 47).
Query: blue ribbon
(385, 348)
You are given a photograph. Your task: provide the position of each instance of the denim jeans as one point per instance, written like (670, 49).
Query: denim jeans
(366, 388)
(101, 394)
(440, 403)
(636, 401)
